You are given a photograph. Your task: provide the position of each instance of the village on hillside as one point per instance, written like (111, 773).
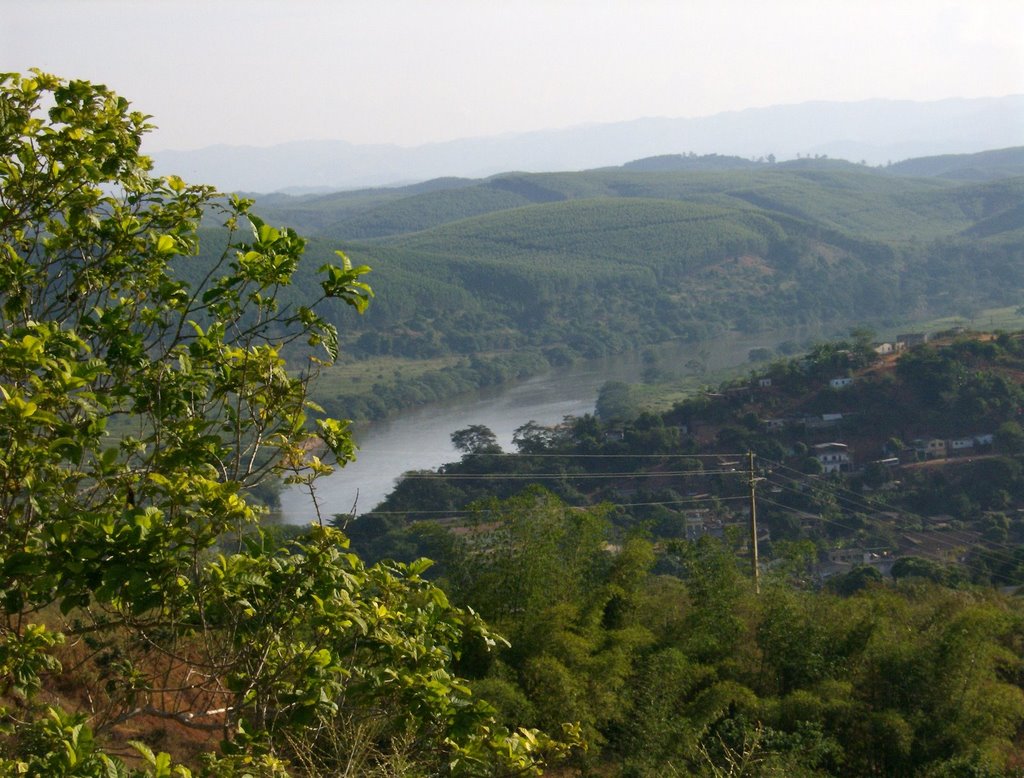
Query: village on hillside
(851, 424)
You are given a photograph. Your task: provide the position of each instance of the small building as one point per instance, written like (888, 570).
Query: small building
(930, 448)
(959, 445)
(883, 349)
(764, 383)
(823, 421)
(911, 339)
(856, 556)
(839, 383)
(834, 457)
(701, 522)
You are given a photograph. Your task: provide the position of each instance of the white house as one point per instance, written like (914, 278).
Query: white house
(839, 383)
(834, 457)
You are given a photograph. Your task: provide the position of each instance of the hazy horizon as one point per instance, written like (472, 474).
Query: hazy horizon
(586, 124)
(407, 73)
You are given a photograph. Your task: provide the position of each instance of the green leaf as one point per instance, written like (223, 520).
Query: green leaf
(165, 244)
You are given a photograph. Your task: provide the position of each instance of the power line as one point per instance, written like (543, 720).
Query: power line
(498, 476)
(470, 512)
(851, 498)
(521, 455)
(1003, 552)
(775, 475)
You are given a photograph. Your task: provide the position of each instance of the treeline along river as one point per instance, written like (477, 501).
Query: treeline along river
(419, 439)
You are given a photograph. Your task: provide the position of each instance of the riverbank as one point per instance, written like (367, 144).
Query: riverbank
(412, 438)
(419, 438)
(375, 388)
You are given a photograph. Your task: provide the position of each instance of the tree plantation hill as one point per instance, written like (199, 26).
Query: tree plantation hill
(484, 280)
(170, 355)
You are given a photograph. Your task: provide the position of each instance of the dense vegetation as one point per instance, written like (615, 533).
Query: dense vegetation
(693, 674)
(966, 389)
(144, 397)
(141, 607)
(635, 608)
(563, 265)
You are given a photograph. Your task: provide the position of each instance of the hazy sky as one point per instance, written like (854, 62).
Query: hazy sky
(258, 72)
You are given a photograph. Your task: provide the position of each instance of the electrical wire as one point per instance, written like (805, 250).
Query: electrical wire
(497, 476)
(853, 499)
(774, 473)
(470, 512)
(991, 550)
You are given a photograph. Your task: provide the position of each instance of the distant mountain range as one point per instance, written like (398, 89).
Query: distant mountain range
(876, 132)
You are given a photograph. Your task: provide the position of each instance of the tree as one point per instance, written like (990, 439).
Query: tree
(1010, 437)
(533, 552)
(476, 439)
(144, 390)
(615, 402)
(534, 438)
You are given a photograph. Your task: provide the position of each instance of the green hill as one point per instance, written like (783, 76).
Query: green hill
(857, 199)
(983, 166)
(600, 261)
(691, 162)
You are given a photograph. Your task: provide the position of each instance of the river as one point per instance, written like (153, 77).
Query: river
(419, 439)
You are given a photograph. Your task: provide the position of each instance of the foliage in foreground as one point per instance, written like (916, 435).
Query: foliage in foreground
(694, 674)
(136, 411)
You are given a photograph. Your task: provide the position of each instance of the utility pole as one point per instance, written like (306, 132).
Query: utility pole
(753, 524)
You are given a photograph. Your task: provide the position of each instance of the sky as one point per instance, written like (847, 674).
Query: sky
(262, 72)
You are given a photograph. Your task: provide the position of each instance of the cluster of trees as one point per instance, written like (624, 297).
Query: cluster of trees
(138, 409)
(693, 674)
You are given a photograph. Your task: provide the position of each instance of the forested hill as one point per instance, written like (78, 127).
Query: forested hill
(593, 262)
(983, 166)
